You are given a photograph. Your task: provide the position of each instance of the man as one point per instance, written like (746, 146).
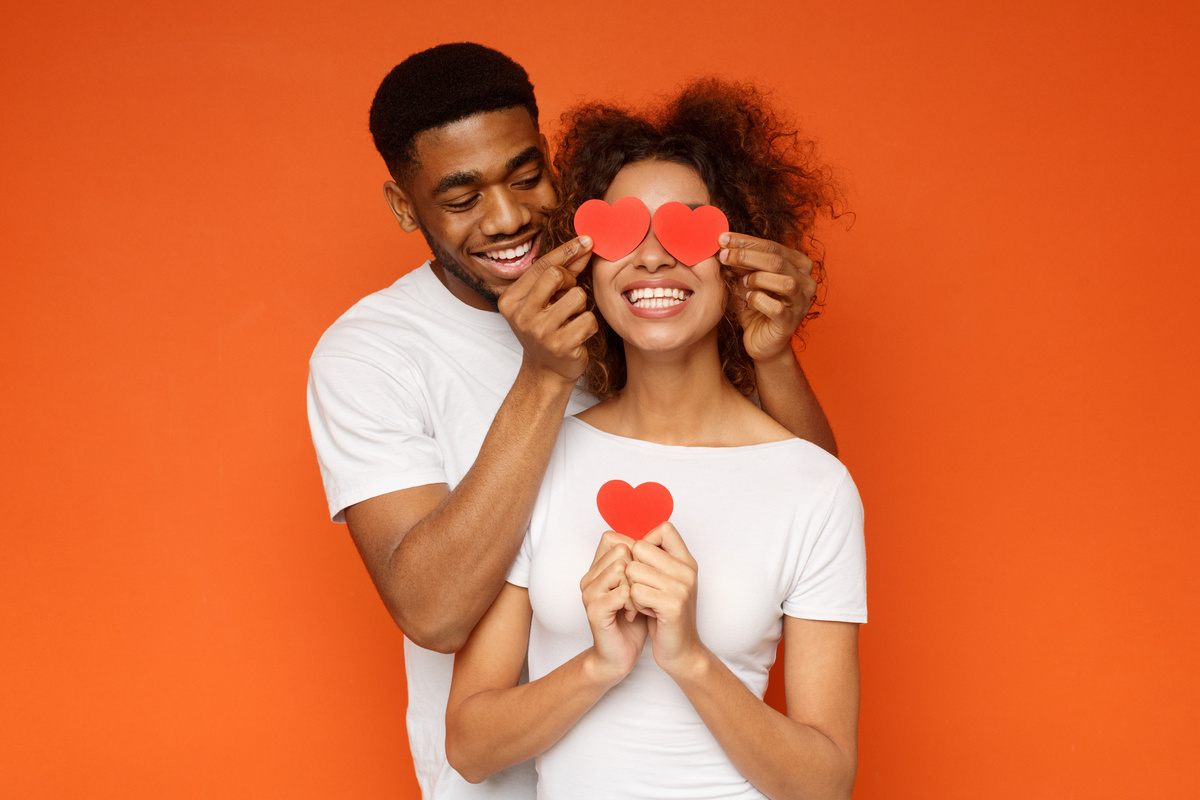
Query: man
(433, 416)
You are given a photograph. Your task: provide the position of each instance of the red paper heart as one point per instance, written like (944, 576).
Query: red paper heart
(689, 235)
(615, 229)
(634, 512)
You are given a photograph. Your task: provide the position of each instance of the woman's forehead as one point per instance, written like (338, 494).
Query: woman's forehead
(656, 182)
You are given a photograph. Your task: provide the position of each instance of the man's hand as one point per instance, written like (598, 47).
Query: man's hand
(547, 312)
(777, 291)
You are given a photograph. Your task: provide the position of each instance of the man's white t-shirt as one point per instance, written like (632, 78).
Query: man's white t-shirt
(402, 390)
(775, 529)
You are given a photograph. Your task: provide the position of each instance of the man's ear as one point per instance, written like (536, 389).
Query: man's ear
(401, 206)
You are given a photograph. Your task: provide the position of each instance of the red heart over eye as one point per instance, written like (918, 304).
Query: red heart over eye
(634, 512)
(690, 236)
(615, 229)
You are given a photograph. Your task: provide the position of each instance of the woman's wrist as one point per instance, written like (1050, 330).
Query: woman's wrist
(691, 668)
(598, 673)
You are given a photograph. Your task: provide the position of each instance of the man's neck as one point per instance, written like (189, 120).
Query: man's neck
(457, 287)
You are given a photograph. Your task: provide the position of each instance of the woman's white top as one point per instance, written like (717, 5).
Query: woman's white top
(775, 528)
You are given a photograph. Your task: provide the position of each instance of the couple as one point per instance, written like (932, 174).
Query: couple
(647, 658)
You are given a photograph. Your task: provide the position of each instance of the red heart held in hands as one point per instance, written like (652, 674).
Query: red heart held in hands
(634, 512)
(615, 229)
(690, 236)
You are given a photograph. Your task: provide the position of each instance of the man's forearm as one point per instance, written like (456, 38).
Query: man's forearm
(450, 565)
(787, 396)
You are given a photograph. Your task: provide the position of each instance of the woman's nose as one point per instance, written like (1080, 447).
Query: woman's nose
(651, 255)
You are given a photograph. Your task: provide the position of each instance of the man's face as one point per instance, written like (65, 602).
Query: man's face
(479, 197)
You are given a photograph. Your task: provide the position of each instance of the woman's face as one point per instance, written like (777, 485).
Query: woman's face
(651, 300)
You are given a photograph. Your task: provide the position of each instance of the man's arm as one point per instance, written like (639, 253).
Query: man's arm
(786, 395)
(779, 289)
(438, 557)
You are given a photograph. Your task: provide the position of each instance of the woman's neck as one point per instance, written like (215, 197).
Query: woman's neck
(674, 398)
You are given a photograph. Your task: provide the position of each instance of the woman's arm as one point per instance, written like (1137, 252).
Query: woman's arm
(491, 722)
(811, 752)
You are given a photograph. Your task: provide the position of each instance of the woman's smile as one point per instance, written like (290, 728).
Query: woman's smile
(656, 298)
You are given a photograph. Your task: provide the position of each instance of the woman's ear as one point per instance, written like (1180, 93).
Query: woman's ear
(402, 207)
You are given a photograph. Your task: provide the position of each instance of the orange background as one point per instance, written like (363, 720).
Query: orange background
(190, 197)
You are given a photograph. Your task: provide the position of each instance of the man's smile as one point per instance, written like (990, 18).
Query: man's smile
(510, 261)
(508, 255)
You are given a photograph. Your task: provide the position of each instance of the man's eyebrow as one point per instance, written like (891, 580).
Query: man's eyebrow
(455, 180)
(526, 156)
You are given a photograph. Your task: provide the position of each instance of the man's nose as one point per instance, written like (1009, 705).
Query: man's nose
(504, 214)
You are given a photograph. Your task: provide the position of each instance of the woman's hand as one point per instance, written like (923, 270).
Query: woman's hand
(618, 631)
(777, 292)
(662, 579)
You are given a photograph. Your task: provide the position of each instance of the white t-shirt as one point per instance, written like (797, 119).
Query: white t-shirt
(775, 529)
(402, 390)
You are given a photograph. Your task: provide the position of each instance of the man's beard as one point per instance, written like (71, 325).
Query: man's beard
(448, 262)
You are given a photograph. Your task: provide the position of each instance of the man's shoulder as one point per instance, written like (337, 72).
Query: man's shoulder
(395, 311)
(415, 327)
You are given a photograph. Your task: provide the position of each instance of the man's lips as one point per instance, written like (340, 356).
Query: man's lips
(510, 261)
(508, 255)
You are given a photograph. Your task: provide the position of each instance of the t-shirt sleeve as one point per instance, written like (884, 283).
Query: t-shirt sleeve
(370, 430)
(832, 582)
(518, 573)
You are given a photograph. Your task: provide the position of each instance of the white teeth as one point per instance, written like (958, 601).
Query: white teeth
(657, 297)
(510, 253)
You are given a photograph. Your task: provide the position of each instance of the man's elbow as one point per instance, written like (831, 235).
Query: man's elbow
(440, 636)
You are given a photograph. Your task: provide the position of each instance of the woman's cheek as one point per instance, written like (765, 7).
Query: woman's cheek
(604, 293)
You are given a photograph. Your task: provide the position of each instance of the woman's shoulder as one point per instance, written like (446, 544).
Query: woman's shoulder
(761, 426)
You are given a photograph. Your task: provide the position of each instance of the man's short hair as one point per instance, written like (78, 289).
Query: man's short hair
(439, 86)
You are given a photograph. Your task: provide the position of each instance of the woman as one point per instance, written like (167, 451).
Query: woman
(653, 686)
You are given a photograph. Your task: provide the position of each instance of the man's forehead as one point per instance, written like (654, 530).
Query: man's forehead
(487, 144)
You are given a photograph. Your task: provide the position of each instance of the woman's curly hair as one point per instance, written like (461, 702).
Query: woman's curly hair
(763, 175)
